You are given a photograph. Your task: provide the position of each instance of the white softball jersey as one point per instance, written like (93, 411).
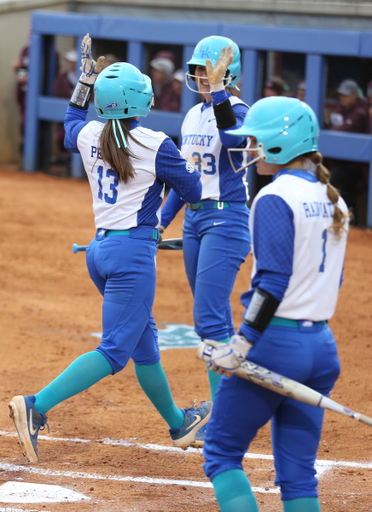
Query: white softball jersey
(318, 256)
(116, 204)
(202, 147)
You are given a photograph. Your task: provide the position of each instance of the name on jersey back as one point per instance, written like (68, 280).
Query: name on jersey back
(318, 209)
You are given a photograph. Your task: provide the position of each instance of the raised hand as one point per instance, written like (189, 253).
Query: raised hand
(90, 69)
(217, 73)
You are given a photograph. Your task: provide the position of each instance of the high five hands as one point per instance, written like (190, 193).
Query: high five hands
(216, 74)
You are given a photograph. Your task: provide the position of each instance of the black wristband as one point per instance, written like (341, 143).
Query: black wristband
(81, 95)
(261, 310)
(225, 116)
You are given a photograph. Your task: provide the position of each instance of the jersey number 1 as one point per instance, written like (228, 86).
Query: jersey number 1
(324, 236)
(109, 174)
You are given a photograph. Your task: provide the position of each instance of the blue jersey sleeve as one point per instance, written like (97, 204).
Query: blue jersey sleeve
(240, 111)
(174, 170)
(75, 120)
(171, 207)
(273, 241)
(273, 235)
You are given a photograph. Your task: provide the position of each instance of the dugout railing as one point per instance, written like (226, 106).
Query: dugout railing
(316, 44)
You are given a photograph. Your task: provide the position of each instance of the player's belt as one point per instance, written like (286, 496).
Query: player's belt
(208, 204)
(141, 231)
(285, 322)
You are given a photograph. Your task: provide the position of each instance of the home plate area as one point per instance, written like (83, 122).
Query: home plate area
(123, 488)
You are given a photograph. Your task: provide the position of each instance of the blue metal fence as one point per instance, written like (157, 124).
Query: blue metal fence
(315, 43)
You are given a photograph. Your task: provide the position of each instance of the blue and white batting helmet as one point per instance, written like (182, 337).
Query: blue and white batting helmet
(121, 91)
(210, 48)
(284, 128)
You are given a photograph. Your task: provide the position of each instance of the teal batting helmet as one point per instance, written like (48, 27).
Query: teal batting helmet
(122, 91)
(284, 128)
(211, 48)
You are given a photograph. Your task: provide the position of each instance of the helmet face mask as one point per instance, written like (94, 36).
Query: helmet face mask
(122, 91)
(284, 128)
(210, 48)
(194, 78)
(246, 152)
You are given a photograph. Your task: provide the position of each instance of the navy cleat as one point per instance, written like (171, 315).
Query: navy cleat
(194, 420)
(28, 422)
(200, 437)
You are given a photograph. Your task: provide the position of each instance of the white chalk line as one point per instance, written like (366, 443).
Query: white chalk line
(7, 509)
(113, 478)
(321, 465)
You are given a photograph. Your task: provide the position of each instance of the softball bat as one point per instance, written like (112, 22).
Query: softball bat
(284, 386)
(76, 248)
(170, 244)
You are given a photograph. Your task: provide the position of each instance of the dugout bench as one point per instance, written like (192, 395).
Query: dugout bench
(137, 32)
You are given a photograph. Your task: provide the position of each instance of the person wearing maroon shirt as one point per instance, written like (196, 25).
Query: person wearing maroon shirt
(63, 87)
(21, 68)
(166, 98)
(351, 116)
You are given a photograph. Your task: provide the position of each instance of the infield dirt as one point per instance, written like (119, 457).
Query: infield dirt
(49, 308)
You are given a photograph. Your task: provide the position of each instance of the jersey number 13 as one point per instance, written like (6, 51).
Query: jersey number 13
(113, 183)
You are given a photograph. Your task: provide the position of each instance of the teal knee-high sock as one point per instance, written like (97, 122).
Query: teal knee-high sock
(214, 378)
(154, 383)
(302, 505)
(233, 492)
(82, 373)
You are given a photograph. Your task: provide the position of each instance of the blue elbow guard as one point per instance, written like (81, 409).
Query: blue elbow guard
(260, 310)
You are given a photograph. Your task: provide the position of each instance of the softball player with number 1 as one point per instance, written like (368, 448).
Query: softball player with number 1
(216, 237)
(299, 228)
(127, 167)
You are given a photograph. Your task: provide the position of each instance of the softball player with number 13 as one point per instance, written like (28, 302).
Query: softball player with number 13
(299, 228)
(127, 167)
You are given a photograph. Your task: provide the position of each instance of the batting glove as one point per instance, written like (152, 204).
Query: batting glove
(90, 69)
(216, 74)
(224, 358)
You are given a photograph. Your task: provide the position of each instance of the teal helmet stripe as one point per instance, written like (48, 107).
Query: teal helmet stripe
(284, 127)
(122, 91)
(210, 48)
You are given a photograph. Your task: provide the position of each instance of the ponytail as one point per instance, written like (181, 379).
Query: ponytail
(322, 174)
(118, 158)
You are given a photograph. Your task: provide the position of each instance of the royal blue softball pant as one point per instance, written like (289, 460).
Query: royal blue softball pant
(123, 269)
(305, 354)
(215, 244)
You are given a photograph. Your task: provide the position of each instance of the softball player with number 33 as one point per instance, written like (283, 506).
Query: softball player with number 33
(299, 228)
(127, 167)
(216, 237)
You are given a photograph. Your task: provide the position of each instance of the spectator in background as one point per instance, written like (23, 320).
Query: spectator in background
(63, 87)
(167, 54)
(178, 81)
(369, 98)
(166, 98)
(21, 69)
(301, 91)
(64, 84)
(275, 86)
(110, 58)
(351, 116)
